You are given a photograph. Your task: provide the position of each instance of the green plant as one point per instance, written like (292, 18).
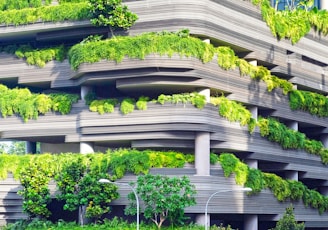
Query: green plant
(234, 112)
(283, 190)
(162, 195)
(78, 186)
(314, 103)
(127, 105)
(63, 102)
(29, 105)
(290, 139)
(293, 24)
(226, 58)
(40, 57)
(142, 103)
(36, 194)
(54, 13)
(103, 106)
(288, 221)
(111, 13)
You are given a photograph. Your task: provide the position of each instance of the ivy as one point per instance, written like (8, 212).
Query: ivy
(167, 43)
(77, 175)
(127, 105)
(29, 105)
(40, 57)
(111, 13)
(293, 24)
(283, 190)
(313, 103)
(53, 13)
(290, 139)
(234, 112)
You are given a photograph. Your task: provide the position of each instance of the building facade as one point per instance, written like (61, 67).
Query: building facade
(234, 23)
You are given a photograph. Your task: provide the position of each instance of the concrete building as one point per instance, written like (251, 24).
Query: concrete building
(234, 23)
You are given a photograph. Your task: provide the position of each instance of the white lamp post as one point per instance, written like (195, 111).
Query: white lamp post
(220, 191)
(134, 191)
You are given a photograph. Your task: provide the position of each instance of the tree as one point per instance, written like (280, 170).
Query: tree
(15, 147)
(111, 13)
(80, 189)
(288, 221)
(163, 197)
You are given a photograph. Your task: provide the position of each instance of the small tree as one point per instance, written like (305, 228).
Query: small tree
(288, 221)
(162, 196)
(111, 13)
(80, 189)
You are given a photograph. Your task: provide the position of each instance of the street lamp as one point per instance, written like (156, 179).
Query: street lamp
(220, 191)
(134, 191)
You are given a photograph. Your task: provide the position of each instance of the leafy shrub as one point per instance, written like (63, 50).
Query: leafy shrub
(313, 103)
(103, 106)
(29, 105)
(290, 139)
(40, 57)
(142, 103)
(111, 13)
(55, 13)
(283, 190)
(127, 105)
(293, 24)
(234, 112)
(162, 195)
(63, 102)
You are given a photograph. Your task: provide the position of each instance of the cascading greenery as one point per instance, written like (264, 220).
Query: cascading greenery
(50, 13)
(77, 177)
(21, 4)
(283, 190)
(40, 57)
(168, 43)
(314, 103)
(234, 112)
(140, 46)
(291, 139)
(293, 24)
(29, 105)
(127, 105)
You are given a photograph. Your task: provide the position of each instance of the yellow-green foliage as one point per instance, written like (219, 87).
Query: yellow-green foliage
(283, 190)
(234, 112)
(293, 24)
(166, 43)
(29, 105)
(40, 57)
(54, 13)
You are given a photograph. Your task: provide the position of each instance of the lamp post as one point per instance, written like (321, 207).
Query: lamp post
(221, 191)
(134, 191)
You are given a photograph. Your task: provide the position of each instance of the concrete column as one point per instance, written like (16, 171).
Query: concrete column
(207, 41)
(253, 62)
(324, 4)
(252, 163)
(202, 153)
(30, 147)
(324, 140)
(86, 147)
(200, 219)
(293, 125)
(202, 164)
(291, 175)
(85, 90)
(206, 93)
(324, 190)
(254, 111)
(251, 222)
